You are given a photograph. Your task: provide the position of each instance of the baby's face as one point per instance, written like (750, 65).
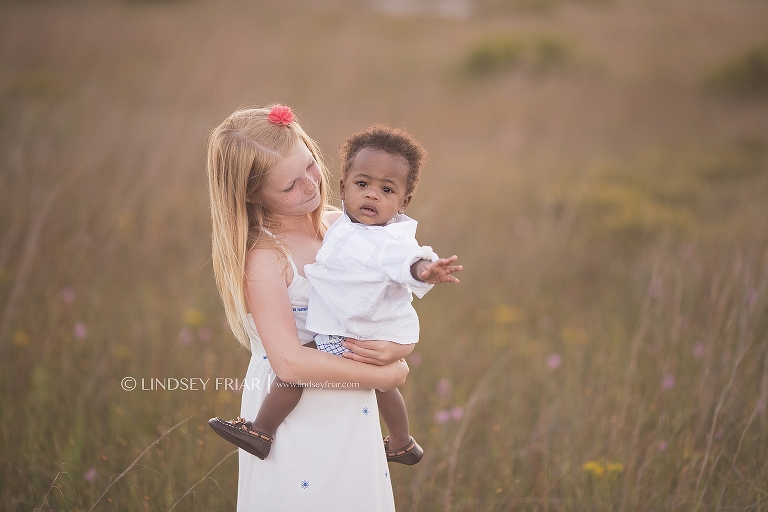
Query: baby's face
(374, 190)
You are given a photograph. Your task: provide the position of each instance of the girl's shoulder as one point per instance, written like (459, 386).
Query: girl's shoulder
(263, 262)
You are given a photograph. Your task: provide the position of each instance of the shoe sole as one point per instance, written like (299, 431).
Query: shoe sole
(239, 438)
(409, 455)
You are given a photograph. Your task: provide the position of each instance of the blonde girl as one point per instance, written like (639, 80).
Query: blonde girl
(268, 198)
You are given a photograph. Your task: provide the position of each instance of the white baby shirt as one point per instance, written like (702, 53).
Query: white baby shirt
(361, 282)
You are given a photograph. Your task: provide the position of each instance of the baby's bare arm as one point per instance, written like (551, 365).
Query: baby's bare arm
(436, 272)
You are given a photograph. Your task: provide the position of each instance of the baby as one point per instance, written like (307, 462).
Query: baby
(363, 278)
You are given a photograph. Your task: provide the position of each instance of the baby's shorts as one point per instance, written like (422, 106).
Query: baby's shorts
(330, 343)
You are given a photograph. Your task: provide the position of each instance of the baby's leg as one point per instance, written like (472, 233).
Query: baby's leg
(392, 408)
(278, 404)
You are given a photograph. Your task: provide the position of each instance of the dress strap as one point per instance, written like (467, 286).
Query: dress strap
(290, 260)
(293, 267)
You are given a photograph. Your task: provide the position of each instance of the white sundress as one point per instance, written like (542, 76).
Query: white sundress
(327, 455)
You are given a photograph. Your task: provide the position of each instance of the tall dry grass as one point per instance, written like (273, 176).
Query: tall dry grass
(607, 348)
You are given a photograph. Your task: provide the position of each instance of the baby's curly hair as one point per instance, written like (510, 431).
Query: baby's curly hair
(394, 141)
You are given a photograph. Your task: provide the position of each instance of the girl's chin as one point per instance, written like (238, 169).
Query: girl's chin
(312, 205)
(302, 209)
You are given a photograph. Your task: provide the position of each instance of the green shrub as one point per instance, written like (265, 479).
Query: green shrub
(37, 83)
(549, 52)
(505, 7)
(742, 75)
(668, 193)
(493, 55)
(499, 54)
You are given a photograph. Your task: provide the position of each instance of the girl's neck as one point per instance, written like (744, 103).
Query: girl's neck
(288, 225)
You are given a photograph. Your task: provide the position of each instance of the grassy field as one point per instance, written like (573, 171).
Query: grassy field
(600, 167)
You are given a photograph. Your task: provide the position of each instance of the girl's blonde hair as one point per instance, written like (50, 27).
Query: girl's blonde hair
(241, 151)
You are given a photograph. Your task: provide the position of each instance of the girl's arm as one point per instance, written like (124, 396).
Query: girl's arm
(267, 298)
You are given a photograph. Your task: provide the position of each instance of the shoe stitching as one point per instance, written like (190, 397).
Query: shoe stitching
(239, 424)
(402, 451)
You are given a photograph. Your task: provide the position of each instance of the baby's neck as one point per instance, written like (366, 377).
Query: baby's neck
(355, 221)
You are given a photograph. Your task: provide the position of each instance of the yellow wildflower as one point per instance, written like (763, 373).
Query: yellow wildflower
(602, 467)
(20, 338)
(594, 468)
(194, 317)
(507, 314)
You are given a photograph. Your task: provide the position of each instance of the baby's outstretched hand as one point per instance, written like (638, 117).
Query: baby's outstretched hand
(436, 272)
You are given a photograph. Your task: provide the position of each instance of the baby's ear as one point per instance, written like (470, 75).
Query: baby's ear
(341, 189)
(405, 204)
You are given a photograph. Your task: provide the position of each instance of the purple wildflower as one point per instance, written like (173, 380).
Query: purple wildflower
(443, 387)
(80, 330)
(204, 333)
(554, 360)
(185, 336)
(68, 294)
(90, 475)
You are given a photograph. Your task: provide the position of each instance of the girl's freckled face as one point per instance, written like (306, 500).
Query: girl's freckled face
(292, 186)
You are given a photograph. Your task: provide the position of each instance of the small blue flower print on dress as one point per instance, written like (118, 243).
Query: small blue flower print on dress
(263, 357)
(304, 484)
(386, 474)
(365, 411)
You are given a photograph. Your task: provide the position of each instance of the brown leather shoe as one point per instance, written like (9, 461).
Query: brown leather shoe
(242, 434)
(409, 455)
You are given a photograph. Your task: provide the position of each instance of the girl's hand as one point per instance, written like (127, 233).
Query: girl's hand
(396, 372)
(378, 352)
(436, 272)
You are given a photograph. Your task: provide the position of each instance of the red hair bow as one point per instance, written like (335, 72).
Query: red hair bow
(280, 114)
